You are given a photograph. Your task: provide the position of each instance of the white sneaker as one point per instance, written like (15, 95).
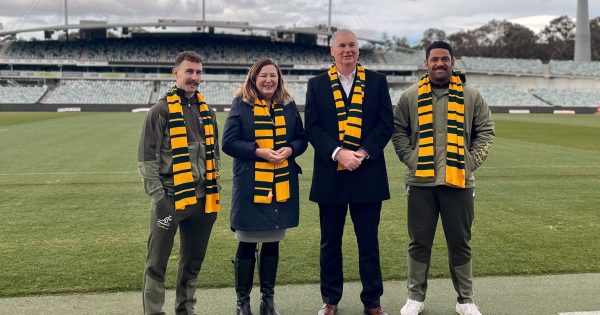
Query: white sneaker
(467, 309)
(412, 307)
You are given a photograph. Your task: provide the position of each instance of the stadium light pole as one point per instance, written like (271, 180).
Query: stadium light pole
(583, 48)
(66, 21)
(329, 18)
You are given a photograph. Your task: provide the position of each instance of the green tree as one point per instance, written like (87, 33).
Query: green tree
(393, 43)
(429, 36)
(558, 39)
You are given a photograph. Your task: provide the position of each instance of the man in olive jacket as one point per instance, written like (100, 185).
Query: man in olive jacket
(443, 131)
(156, 159)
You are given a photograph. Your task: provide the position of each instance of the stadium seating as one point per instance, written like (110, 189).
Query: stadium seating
(395, 95)
(568, 98)
(232, 54)
(504, 65)
(21, 94)
(399, 58)
(507, 95)
(100, 92)
(215, 92)
(221, 92)
(162, 90)
(211, 50)
(282, 54)
(132, 50)
(298, 90)
(370, 57)
(572, 68)
(45, 50)
(214, 50)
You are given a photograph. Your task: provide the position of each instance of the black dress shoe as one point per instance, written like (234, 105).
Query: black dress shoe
(375, 311)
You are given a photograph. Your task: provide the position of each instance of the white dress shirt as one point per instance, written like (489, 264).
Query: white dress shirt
(346, 82)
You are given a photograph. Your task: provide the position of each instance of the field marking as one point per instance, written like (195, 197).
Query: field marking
(304, 169)
(66, 173)
(581, 313)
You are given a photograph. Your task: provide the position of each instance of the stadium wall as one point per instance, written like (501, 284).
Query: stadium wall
(544, 110)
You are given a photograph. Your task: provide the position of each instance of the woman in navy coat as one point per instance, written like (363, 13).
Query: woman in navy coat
(264, 134)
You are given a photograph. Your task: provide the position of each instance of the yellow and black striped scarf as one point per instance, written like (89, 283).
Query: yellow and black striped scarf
(182, 168)
(455, 147)
(272, 135)
(349, 122)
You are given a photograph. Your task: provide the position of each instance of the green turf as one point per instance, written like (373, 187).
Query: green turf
(75, 218)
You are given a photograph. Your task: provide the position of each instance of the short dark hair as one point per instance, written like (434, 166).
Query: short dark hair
(189, 55)
(439, 44)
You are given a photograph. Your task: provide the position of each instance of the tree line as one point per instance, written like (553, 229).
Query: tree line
(504, 39)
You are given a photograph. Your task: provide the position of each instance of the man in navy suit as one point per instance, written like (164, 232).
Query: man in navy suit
(349, 121)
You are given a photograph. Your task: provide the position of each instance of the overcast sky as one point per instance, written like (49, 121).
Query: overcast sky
(369, 18)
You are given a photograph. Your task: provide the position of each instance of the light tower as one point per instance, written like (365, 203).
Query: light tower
(583, 47)
(66, 21)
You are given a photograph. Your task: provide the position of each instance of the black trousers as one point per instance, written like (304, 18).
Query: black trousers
(365, 218)
(456, 208)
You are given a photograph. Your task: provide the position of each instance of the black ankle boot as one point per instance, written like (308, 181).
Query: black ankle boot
(267, 270)
(244, 275)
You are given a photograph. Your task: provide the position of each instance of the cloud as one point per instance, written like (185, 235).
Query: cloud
(395, 17)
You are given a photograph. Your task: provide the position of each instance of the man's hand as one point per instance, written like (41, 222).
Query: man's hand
(350, 160)
(361, 154)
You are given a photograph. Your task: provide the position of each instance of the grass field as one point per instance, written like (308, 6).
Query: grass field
(74, 217)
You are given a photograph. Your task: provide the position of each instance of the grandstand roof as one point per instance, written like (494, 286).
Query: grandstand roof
(164, 23)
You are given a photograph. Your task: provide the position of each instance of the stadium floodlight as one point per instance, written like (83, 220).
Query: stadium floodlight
(583, 47)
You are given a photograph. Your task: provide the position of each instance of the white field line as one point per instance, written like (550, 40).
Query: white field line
(65, 173)
(581, 313)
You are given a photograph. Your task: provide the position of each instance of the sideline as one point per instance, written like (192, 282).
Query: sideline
(572, 294)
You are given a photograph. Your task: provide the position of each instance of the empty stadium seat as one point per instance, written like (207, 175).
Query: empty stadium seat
(504, 65)
(400, 58)
(132, 50)
(21, 94)
(507, 95)
(100, 92)
(569, 98)
(572, 68)
(45, 50)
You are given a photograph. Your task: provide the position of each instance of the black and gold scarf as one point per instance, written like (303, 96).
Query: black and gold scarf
(349, 122)
(270, 132)
(455, 144)
(182, 168)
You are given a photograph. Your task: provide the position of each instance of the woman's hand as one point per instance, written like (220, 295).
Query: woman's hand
(273, 156)
(284, 153)
(268, 155)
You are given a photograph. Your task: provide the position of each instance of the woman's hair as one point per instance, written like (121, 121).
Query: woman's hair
(249, 91)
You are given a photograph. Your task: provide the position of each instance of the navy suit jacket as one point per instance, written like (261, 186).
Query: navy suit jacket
(368, 183)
